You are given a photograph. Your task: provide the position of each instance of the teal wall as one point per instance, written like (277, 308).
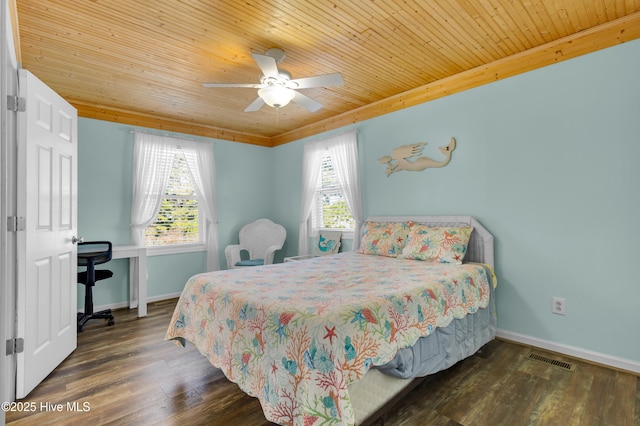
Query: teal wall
(105, 188)
(545, 160)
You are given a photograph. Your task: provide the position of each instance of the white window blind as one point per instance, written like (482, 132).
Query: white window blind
(179, 218)
(330, 209)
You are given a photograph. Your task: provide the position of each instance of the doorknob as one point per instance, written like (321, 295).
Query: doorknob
(75, 240)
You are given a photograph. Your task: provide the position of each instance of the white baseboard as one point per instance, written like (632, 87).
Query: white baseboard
(572, 351)
(120, 305)
(164, 297)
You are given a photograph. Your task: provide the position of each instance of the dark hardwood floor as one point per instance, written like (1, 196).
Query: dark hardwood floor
(128, 375)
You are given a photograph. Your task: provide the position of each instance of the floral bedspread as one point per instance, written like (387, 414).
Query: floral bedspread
(294, 335)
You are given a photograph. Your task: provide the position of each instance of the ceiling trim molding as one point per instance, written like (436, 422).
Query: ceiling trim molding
(587, 41)
(162, 123)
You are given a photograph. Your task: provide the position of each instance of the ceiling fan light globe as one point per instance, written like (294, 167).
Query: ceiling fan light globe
(276, 96)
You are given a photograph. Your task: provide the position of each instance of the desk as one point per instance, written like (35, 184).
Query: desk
(137, 256)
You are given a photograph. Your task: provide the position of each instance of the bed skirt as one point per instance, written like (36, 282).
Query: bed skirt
(439, 351)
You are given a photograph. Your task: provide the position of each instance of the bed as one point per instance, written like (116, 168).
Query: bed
(334, 339)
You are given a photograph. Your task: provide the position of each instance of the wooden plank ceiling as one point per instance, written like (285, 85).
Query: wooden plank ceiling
(143, 62)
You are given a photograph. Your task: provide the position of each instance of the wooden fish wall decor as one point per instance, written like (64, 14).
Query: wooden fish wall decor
(399, 159)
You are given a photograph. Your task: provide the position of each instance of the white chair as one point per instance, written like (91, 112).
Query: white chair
(260, 240)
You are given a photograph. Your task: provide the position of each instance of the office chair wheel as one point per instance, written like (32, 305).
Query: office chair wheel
(111, 322)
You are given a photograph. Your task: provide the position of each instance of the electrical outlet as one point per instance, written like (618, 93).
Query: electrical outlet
(558, 305)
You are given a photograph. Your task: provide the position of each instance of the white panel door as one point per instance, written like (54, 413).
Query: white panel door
(47, 263)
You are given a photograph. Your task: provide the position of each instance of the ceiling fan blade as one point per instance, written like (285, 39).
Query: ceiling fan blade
(255, 105)
(317, 81)
(250, 85)
(267, 65)
(307, 102)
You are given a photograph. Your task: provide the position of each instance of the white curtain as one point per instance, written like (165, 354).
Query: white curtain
(153, 157)
(200, 159)
(343, 149)
(344, 154)
(310, 171)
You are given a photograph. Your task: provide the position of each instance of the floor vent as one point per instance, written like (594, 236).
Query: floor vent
(555, 362)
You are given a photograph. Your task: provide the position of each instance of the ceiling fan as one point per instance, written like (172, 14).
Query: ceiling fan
(277, 89)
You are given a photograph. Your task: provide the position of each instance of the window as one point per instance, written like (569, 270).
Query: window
(179, 218)
(330, 196)
(330, 209)
(173, 208)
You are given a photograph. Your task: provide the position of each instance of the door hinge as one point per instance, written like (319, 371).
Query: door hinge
(15, 346)
(15, 224)
(17, 104)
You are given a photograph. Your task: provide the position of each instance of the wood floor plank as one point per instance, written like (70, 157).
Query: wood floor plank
(565, 401)
(608, 401)
(129, 375)
(636, 417)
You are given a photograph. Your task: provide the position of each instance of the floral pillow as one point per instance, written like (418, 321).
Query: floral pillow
(437, 244)
(385, 238)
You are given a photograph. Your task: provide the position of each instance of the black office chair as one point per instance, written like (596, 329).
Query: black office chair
(90, 254)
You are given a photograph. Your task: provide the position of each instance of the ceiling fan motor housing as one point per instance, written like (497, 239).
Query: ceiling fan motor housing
(283, 78)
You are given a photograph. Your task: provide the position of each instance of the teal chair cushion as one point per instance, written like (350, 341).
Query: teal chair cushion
(251, 262)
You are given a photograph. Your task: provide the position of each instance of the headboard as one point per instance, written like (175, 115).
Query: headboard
(480, 247)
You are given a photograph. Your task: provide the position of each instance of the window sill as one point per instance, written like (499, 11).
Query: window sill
(177, 249)
(347, 234)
